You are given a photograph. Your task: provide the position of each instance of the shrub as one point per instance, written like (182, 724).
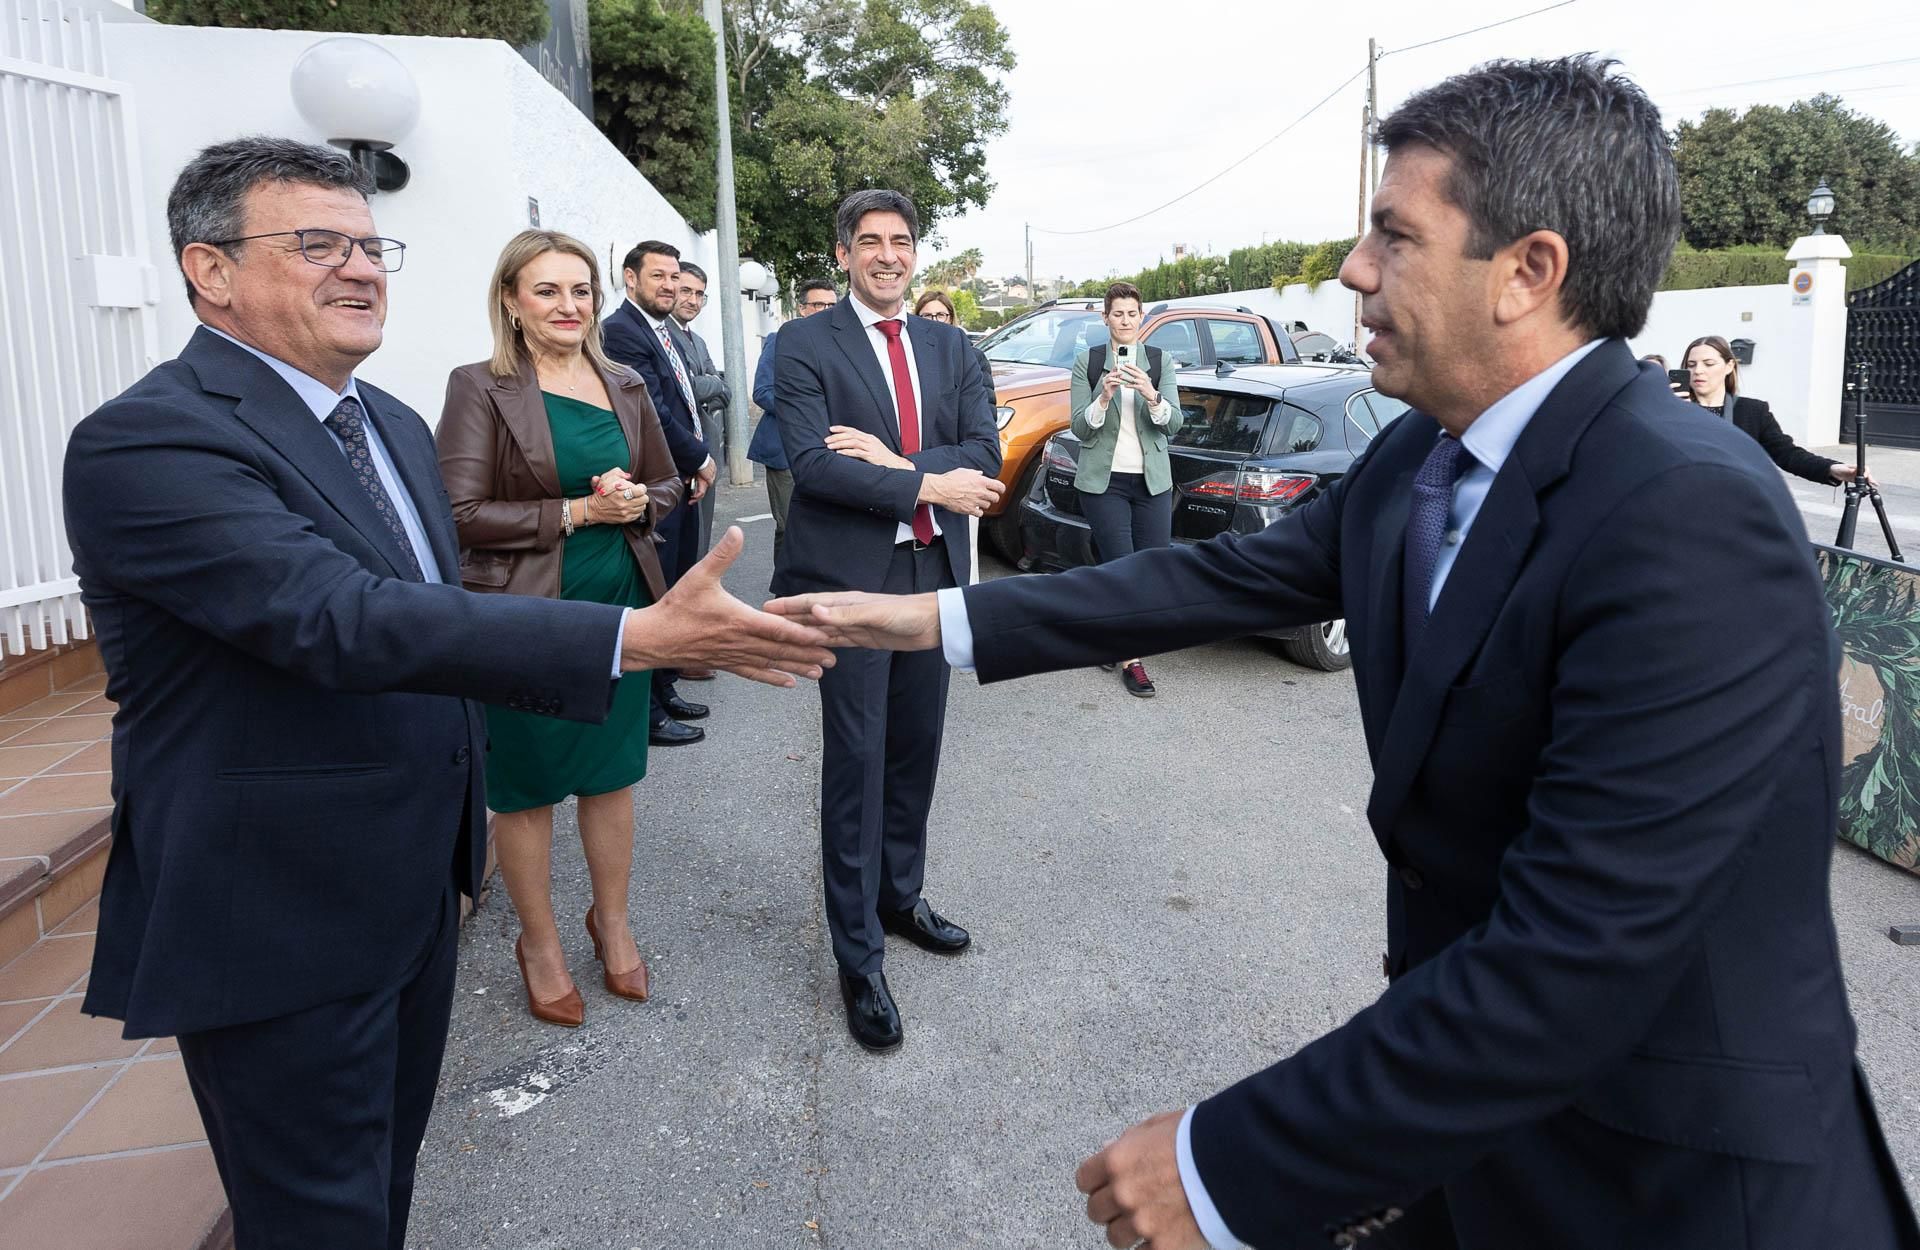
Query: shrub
(518, 22)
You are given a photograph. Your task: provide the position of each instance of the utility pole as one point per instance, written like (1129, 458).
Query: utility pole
(1373, 117)
(1369, 170)
(727, 262)
(1030, 298)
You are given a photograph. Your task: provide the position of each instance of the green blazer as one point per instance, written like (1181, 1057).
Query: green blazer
(1097, 446)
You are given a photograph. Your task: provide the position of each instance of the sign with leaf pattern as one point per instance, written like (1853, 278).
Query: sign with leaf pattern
(1876, 612)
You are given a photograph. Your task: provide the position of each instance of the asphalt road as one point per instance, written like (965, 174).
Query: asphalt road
(1165, 895)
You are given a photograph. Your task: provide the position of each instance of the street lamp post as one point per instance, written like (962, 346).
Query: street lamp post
(1820, 207)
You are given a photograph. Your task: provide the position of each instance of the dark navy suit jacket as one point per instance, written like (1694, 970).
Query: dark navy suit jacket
(845, 516)
(296, 773)
(1605, 787)
(630, 341)
(766, 447)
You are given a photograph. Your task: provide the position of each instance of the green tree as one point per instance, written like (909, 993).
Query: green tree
(1744, 179)
(654, 99)
(966, 308)
(834, 95)
(518, 22)
(953, 271)
(1323, 262)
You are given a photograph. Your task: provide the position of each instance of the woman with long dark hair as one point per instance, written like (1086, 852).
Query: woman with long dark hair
(1713, 378)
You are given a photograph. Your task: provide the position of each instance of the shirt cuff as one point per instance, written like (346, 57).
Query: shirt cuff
(1096, 415)
(619, 640)
(1161, 412)
(956, 631)
(1205, 1214)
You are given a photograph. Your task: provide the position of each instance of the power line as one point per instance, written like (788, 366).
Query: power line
(1269, 142)
(1277, 136)
(1812, 73)
(1476, 30)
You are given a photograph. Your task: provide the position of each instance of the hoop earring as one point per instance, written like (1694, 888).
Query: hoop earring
(513, 318)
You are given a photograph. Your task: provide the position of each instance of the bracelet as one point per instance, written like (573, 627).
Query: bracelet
(566, 517)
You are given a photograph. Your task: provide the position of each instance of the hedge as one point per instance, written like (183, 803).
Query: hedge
(518, 22)
(1764, 266)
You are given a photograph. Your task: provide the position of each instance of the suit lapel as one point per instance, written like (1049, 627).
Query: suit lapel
(928, 364)
(524, 413)
(420, 476)
(622, 386)
(852, 338)
(271, 409)
(1484, 572)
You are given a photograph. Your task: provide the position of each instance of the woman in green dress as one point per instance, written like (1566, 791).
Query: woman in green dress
(558, 473)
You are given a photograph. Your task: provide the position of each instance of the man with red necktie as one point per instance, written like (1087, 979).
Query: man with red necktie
(888, 425)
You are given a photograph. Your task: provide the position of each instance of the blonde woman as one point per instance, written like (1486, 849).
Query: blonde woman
(558, 472)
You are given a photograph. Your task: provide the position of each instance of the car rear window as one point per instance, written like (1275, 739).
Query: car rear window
(1218, 422)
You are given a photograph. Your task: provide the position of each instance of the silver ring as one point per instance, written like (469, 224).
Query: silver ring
(627, 493)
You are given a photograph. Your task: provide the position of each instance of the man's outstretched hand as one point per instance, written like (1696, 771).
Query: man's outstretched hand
(697, 624)
(1133, 1188)
(855, 618)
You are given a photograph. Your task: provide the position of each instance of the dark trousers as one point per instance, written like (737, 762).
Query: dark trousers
(779, 499)
(679, 551)
(1126, 519)
(315, 1118)
(881, 715)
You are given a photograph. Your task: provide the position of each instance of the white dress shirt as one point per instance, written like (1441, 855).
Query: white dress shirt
(1490, 440)
(870, 322)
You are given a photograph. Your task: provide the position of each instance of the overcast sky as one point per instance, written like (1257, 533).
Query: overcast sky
(1119, 105)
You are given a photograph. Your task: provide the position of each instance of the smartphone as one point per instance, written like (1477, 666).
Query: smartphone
(1122, 355)
(1680, 378)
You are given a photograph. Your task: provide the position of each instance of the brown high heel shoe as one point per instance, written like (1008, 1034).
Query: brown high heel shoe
(568, 1009)
(624, 984)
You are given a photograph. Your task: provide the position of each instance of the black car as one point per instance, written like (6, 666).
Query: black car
(1257, 443)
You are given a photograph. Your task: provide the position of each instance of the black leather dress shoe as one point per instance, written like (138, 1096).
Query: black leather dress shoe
(678, 708)
(927, 929)
(871, 1016)
(671, 733)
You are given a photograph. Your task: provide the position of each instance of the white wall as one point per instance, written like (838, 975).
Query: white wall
(491, 133)
(1328, 309)
(1760, 313)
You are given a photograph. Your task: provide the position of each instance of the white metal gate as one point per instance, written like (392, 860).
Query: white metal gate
(76, 294)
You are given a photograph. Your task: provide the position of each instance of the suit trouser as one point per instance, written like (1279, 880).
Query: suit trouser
(713, 426)
(316, 1118)
(881, 716)
(779, 499)
(679, 536)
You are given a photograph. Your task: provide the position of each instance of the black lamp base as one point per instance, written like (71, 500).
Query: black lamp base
(389, 172)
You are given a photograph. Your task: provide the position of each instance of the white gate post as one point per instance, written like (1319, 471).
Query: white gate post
(1809, 410)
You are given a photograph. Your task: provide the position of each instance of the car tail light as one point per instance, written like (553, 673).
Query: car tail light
(1057, 459)
(1254, 486)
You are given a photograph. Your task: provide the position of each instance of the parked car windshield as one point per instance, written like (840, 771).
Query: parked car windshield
(1052, 337)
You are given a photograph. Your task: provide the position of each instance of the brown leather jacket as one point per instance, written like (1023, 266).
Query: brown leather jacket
(496, 457)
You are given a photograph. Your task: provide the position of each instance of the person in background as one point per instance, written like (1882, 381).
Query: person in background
(1123, 415)
(937, 305)
(638, 334)
(1713, 377)
(815, 295)
(710, 392)
(558, 473)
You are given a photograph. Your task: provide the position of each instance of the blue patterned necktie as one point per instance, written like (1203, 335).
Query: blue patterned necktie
(1427, 528)
(679, 370)
(350, 427)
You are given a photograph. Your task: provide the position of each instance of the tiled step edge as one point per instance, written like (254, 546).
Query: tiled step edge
(32, 903)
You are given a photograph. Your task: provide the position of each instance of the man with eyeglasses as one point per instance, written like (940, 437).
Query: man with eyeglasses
(816, 295)
(270, 563)
(710, 388)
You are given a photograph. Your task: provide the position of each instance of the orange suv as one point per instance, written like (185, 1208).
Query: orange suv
(1032, 360)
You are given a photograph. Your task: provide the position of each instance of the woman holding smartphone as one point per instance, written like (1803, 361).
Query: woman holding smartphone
(1125, 405)
(1713, 378)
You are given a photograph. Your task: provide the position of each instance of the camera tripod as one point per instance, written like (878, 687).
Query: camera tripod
(1860, 484)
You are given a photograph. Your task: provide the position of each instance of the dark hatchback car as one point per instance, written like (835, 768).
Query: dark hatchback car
(1257, 443)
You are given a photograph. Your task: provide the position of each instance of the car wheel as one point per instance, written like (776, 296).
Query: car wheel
(1323, 646)
(1003, 531)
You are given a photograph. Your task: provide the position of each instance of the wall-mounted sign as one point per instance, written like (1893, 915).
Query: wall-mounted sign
(565, 57)
(533, 213)
(1803, 286)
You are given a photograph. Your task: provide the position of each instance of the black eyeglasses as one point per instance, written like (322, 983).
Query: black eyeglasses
(699, 295)
(938, 315)
(818, 304)
(332, 250)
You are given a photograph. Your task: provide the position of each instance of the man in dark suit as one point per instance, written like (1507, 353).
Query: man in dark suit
(638, 335)
(815, 295)
(888, 425)
(264, 544)
(1597, 681)
(710, 390)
